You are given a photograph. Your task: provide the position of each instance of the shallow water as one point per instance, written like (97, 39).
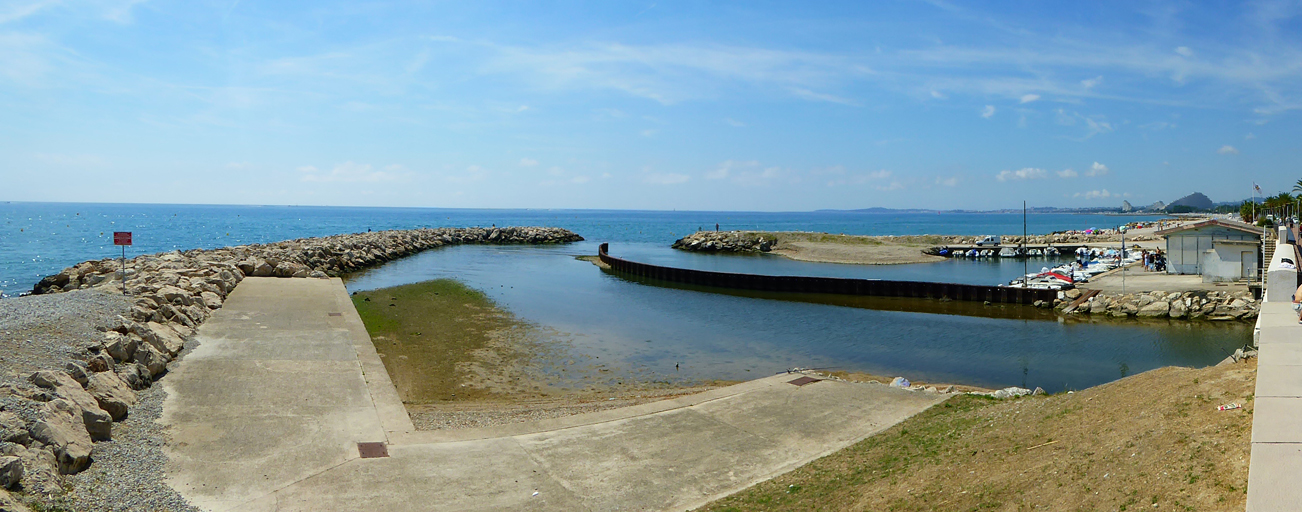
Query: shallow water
(643, 328)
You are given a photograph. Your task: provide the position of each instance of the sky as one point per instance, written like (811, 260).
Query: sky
(753, 105)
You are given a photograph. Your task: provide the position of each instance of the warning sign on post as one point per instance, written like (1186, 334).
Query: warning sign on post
(121, 238)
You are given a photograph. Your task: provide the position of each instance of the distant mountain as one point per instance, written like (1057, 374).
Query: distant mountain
(1126, 208)
(1195, 200)
(1157, 207)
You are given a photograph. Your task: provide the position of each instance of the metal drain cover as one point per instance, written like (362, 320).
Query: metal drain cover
(334, 314)
(372, 450)
(804, 380)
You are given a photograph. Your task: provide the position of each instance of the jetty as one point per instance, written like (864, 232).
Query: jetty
(285, 405)
(830, 285)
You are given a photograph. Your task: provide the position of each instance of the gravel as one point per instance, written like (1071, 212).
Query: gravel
(44, 332)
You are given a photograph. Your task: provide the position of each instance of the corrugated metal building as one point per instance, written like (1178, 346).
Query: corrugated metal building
(1187, 246)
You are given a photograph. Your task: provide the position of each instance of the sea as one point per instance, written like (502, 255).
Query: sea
(646, 331)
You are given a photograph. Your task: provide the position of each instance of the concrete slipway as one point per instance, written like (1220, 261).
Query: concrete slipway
(267, 412)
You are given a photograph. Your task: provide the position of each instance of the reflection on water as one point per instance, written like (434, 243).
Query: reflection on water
(648, 327)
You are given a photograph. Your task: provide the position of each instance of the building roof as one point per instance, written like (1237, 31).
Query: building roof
(1239, 226)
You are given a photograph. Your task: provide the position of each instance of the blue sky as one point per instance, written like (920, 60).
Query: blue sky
(650, 105)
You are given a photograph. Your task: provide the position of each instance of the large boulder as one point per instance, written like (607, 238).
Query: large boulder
(61, 428)
(97, 422)
(1154, 310)
(149, 357)
(13, 429)
(11, 471)
(112, 393)
(162, 338)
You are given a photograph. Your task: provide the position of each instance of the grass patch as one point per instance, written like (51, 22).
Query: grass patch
(438, 340)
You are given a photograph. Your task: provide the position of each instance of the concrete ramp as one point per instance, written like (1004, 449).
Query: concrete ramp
(266, 415)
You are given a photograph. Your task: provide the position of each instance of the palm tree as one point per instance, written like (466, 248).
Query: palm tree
(1246, 211)
(1297, 187)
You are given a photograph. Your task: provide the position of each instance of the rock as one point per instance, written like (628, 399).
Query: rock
(100, 362)
(41, 471)
(162, 338)
(119, 346)
(151, 359)
(175, 296)
(262, 269)
(112, 393)
(1038, 391)
(13, 429)
(947, 389)
(899, 382)
(1178, 310)
(97, 422)
(1154, 309)
(317, 274)
(76, 370)
(211, 300)
(1011, 392)
(1072, 294)
(60, 426)
(135, 375)
(11, 471)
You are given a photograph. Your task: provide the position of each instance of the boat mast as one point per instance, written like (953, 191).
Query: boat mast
(1026, 264)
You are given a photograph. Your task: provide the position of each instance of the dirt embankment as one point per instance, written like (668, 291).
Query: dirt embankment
(1153, 441)
(457, 360)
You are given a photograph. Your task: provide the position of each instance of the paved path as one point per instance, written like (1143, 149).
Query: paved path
(1277, 416)
(266, 414)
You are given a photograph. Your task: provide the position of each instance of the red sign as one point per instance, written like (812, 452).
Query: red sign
(121, 238)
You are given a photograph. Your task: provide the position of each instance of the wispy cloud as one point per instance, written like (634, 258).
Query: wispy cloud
(1095, 194)
(528, 162)
(1097, 169)
(1027, 98)
(988, 112)
(666, 178)
(349, 172)
(1025, 173)
(1066, 173)
(1228, 150)
(734, 123)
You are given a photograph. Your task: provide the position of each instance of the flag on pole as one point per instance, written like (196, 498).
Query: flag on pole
(1256, 187)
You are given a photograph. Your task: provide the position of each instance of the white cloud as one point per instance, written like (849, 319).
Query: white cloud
(580, 180)
(947, 182)
(528, 162)
(895, 185)
(1096, 194)
(938, 95)
(988, 112)
(1228, 150)
(1097, 169)
(1026, 173)
(649, 133)
(726, 167)
(349, 172)
(1027, 98)
(1090, 83)
(666, 178)
(1184, 50)
(14, 12)
(1066, 173)
(734, 123)
(239, 166)
(1250, 136)
(817, 96)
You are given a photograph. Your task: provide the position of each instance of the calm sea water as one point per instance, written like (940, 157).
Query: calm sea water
(643, 329)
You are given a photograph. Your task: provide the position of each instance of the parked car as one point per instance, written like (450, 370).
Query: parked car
(988, 240)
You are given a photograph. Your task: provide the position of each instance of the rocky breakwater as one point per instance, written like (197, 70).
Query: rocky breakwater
(1192, 305)
(727, 241)
(50, 421)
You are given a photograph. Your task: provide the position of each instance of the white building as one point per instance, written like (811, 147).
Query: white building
(1219, 250)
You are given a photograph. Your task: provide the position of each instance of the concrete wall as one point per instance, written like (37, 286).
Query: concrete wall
(1281, 282)
(1225, 263)
(1184, 250)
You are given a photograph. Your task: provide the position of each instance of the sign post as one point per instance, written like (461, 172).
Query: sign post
(123, 238)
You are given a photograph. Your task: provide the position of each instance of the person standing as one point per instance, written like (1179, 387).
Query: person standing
(1297, 303)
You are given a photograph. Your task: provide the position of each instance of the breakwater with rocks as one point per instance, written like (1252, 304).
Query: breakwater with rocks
(1192, 305)
(763, 241)
(80, 381)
